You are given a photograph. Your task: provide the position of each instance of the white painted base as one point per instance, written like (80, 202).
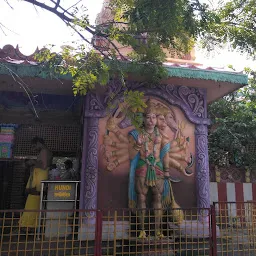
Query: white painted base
(57, 228)
(193, 229)
(56, 224)
(110, 231)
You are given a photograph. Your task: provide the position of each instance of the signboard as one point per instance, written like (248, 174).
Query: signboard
(60, 196)
(61, 191)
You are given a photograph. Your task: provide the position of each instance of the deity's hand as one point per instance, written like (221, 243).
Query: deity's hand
(174, 143)
(188, 159)
(140, 139)
(108, 141)
(111, 167)
(183, 144)
(108, 154)
(112, 124)
(187, 142)
(167, 174)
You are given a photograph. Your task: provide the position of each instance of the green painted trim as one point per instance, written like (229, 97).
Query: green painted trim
(218, 76)
(26, 70)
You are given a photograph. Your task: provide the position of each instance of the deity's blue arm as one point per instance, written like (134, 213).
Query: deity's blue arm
(165, 149)
(132, 196)
(166, 200)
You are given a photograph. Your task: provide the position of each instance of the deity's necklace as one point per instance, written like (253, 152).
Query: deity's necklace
(156, 132)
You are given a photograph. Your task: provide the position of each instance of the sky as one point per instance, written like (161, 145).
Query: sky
(31, 27)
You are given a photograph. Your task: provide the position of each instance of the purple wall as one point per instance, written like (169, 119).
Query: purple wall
(191, 100)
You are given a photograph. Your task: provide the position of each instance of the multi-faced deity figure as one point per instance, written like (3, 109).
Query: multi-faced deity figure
(151, 153)
(166, 118)
(148, 166)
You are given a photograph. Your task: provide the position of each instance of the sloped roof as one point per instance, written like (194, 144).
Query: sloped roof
(217, 81)
(15, 61)
(206, 73)
(24, 66)
(11, 55)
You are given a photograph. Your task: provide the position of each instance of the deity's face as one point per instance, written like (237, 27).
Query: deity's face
(150, 120)
(170, 120)
(161, 122)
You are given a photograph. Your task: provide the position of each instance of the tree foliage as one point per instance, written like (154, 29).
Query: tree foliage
(146, 26)
(235, 26)
(232, 136)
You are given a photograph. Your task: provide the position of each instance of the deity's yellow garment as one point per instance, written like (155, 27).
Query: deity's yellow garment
(30, 219)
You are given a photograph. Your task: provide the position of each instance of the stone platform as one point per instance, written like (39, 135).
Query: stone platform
(193, 229)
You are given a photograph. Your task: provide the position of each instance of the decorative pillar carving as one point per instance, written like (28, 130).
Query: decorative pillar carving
(90, 165)
(202, 167)
(93, 110)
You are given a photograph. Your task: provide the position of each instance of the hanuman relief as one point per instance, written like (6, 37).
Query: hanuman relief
(151, 154)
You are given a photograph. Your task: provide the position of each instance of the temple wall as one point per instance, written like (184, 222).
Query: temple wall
(113, 186)
(101, 188)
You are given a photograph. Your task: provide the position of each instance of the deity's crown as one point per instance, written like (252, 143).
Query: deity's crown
(151, 107)
(163, 110)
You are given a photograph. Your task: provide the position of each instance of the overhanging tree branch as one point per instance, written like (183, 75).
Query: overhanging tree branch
(61, 15)
(86, 40)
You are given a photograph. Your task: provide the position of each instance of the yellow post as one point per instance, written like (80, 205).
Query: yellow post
(115, 220)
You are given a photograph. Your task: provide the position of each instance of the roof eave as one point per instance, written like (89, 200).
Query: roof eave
(217, 83)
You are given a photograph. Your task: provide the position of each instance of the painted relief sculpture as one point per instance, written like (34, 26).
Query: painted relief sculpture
(178, 150)
(151, 154)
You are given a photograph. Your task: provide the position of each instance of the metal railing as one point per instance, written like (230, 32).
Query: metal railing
(121, 230)
(214, 231)
(237, 224)
(59, 234)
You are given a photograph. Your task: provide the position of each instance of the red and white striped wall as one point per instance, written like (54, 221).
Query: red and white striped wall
(233, 192)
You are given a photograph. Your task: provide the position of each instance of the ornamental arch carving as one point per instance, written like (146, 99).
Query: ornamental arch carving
(190, 101)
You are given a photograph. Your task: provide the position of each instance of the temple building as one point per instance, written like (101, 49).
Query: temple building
(119, 167)
(33, 102)
(41, 105)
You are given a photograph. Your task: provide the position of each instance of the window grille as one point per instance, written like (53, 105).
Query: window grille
(58, 138)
